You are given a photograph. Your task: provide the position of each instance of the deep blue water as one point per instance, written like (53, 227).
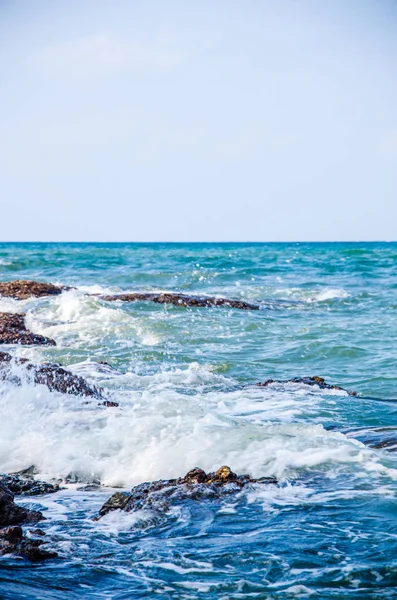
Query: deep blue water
(328, 530)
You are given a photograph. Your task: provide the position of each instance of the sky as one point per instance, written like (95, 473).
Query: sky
(198, 120)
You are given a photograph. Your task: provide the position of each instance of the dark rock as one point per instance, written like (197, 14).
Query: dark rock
(21, 289)
(12, 538)
(52, 375)
(39, 532)
(319, 381)
(378, 438)
(58, 379)
(13, 541)
(11, 513)
(179, 300)
(195, 485)
(89, 487)
(23, 483)
(110, 403)
(13, 331)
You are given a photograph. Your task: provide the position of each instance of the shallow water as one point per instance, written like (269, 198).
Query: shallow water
(181, 376)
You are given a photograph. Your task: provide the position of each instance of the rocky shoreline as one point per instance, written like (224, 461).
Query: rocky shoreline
(22, 290)
(158, 496)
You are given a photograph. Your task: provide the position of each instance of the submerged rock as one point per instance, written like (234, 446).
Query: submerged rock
(24, 483)
(318, 381)
(14, 541)
(52, 375)
(22, 289)
(378, 438)
(13, 331)
(195, 485)
(179, 300)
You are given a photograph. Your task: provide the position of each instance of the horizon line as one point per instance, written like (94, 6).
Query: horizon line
(199, 242)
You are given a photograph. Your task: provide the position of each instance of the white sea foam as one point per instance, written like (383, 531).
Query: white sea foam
(158, 432)
(310, 295)
(331, 294)
(167, 422)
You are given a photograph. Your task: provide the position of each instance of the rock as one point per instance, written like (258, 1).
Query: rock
(378, 438)
(11, 513)
(58, 379)
(12, 538)
(13, 331)
(23, 483)
(21, 289)
(179, 300)
(52, 375)
(195, 485)
(13, 541)
(319, 381)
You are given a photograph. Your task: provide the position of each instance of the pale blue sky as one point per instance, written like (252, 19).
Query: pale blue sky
(198, 120)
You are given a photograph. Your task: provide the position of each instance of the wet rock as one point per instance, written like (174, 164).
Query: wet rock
(52, 375)
(11, 513)
(58, 379)
(25, 484)
(318, 381)
(180, 300)
(12, 538)
(13, 331)
(195, 485)
(13, 541)
(22, 289)
(378, 438)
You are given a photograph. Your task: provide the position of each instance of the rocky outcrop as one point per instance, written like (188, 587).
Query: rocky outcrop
(13, 331)
(14, 541)
(179, 300)
(22, 289)
(11, 513)
(12, 538)
(314, 381)
(195, 485)
(53, 376)
(24, 483)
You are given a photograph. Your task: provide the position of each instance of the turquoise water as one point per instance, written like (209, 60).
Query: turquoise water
(181, 376)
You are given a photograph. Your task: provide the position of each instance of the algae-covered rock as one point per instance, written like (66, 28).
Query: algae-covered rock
(22, 289)
(195, 485)
(13, 331)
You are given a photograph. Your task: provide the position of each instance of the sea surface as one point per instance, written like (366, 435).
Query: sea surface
(182, 377)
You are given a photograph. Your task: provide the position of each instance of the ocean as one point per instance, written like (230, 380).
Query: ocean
(184, 380)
